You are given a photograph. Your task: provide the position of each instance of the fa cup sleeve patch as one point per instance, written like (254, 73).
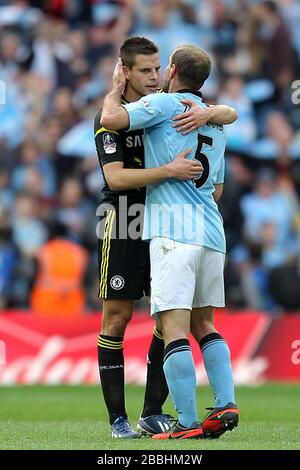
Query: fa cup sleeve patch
(109, 143)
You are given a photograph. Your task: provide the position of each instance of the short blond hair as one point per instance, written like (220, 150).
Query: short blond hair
(193, 66)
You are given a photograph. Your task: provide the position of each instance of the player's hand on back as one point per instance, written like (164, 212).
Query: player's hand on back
(119, 79)
(192, 119)
(183, 168)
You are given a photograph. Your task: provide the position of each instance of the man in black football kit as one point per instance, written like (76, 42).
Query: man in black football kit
(123, 261)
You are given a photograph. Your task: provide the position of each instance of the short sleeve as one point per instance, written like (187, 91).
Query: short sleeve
(108, 144)
(146, 112)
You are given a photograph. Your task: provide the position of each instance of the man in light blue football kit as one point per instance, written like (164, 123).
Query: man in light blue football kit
(187, 246)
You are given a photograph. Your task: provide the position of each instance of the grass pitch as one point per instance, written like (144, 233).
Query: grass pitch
(42, 417)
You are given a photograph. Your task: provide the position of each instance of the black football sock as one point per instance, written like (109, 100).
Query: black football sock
(111, 369)
(156, 387)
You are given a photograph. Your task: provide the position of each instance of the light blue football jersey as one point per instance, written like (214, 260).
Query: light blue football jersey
(181, 210)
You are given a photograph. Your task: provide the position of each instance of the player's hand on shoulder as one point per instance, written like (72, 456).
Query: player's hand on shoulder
(183, 168)
(192, 119)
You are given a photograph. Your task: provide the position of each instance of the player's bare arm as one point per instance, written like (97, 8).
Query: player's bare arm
(114, 116)
(197, 117)
(120, 178)
(218, 191)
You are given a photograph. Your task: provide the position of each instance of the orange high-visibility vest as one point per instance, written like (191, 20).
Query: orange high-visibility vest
(58, 289)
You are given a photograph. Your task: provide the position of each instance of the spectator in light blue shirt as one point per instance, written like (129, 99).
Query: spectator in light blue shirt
(242, 133)
(267, 204)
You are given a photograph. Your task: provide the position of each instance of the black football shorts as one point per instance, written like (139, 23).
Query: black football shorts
(124, 262)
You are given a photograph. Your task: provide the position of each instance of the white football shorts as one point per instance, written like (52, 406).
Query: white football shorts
(185, 276)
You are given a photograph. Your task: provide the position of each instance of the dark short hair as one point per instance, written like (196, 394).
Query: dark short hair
(193, 66)
(131, 47)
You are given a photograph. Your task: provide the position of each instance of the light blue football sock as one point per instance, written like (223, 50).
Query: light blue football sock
(216, 356)
(181, 378)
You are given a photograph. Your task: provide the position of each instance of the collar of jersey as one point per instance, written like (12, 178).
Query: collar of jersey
(123, 100)
(186, 90)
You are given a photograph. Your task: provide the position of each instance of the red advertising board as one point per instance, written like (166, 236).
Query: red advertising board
(57, 350)
(281, 348)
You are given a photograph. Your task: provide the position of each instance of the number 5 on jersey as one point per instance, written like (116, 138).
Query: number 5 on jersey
(201, 180)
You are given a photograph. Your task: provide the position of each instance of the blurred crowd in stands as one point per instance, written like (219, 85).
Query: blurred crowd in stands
(56, 63)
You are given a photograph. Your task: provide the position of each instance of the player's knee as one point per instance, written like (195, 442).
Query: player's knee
(202, 328)
(174, 335)
(115, 323)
